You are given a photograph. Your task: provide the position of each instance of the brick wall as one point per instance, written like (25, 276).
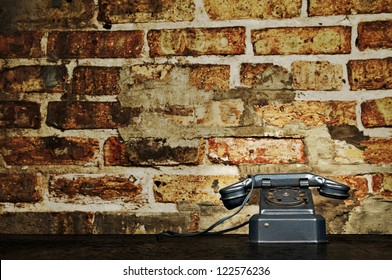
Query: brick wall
(129, 116)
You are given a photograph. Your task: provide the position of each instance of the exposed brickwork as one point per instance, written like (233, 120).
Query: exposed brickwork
(19, 114)
(252, 9)
(21, 45)
(80, 115)
(152, 152)
(197, 41)
(96, 80)
(124, 11)
(33, 79)
(256, 151)
(251, 74)
(190, 188)
(370, 74)
(20, 187)
(94, 44)
(344, 7)
(359, 187)
(378, 150)
(49, 150)
(104, 187)
(382, 183)
(377, 113)
(316, 75)
(210, 77)
(311, 113)
(375, 35)
(302, 40)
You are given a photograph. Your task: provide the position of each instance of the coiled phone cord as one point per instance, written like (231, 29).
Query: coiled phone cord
(214, 225)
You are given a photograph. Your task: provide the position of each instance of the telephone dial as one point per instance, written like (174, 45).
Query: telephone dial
(286, 213)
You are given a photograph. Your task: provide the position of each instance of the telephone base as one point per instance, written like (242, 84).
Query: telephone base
(287, 228)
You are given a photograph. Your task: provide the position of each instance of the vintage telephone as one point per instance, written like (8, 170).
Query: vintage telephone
(286, 212)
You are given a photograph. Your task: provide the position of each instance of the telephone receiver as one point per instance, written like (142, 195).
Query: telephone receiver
(234, 195)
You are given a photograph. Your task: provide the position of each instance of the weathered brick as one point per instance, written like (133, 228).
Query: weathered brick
(190, 188)
(377, 113)
(96, 80)
(49, 150)
(124, 11)
(152, 151)
(46, 222)
(344, 7)
(20, 114)
(377, 150)
(382, 184)
(95, 44)
(358, 186)
(251, 74)
(316, 75)
(21, 45)
(302, 40)
(252, 9)
(105, 187)
(370, 74)
(310, 113)
(20, 187)
(33, 79)
(256, 151)
(210, 77)
(46, 14)
(197, 41)
(375, 35)
(265, 76)
(81, 115)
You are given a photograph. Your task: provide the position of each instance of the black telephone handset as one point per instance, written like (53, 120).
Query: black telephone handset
(286, 206)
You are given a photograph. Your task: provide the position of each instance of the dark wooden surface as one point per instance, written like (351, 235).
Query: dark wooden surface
(119, 247)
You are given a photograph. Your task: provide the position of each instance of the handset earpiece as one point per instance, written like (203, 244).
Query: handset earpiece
(334, 189)
(234, 195)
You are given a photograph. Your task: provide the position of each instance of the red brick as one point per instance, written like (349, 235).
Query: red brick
(310, 113)
(377, 113)
(210, 77)
(358, 185)
(252, 9)
(33, 79)
(81, 115)
(104, 187)
(382, 184)
(377, 150)
(302, 40)
(123, 11)
(197, 41)
(21, 45)
(49, 150)
(19, 114)
(95, 44)
(152, 151)
(370, 74)
(256, 151)
(20, 187)
(344, 7)
(96, 80)
(375, 35)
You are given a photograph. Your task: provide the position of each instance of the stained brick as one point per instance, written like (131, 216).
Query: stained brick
(382, 184)
(375, 35)
(33, 79)
(256, 151)
(124, 11)
(377, 113)
(95, 44)
(302, 40)
(310, 113)
(316, 75)
(252, 9)
(19, 187)
(377, 150)
(190, 188)
(20, 114)
(251, 74)
(96, 80)
(81, 115)
(21, 45)
(370, 74)
(344, 7)
(265, 76)
(358, 185)
(49, 150)
(210, 77)
(152, 151)
(105, 187)
(197, 41)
